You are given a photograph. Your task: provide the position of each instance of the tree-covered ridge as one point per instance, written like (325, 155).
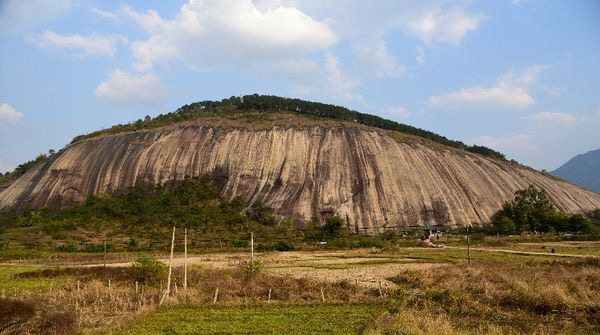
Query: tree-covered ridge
(269, 103)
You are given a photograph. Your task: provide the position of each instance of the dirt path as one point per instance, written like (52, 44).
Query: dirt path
(363, 267)
(527, 253)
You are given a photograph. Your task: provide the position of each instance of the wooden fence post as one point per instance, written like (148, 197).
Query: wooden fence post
(104, 255)
(185, 260)
(469, 245)
(168, 290)
(252, 249)
(216, 295)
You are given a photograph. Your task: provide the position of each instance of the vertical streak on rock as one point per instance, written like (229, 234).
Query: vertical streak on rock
(307, 173)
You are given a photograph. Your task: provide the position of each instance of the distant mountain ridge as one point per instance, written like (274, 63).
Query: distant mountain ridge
(582, 170)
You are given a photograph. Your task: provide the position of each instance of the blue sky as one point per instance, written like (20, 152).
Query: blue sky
(522, 77)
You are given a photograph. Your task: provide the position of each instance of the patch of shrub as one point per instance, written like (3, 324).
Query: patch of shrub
(284, 246)
(148, 270)
(56, 227)
(98, 247)
(252, 268)
(278, 246)
(240, 243)
(68, 247)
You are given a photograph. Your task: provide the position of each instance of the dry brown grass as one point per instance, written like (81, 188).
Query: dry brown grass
(499, 296)
(24, 316)
(531, 297)
(96, 307)
(236, 286)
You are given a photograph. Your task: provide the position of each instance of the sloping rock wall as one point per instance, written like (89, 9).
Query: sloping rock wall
(369, 178)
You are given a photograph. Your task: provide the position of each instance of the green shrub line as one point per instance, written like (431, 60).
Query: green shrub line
(274, 104)
(531, 210)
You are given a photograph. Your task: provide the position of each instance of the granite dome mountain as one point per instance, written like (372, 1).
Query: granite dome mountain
(305, 160)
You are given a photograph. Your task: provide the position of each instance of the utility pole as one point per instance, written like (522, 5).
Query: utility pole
(185, 260)
(168, 290)
(469, 245)
(252, 249)
(104, 257)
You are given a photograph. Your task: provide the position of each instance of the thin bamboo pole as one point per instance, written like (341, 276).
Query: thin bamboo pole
(185, 260)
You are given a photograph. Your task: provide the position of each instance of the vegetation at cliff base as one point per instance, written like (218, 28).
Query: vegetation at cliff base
(145, 213)
(531, 210)
(141, 218)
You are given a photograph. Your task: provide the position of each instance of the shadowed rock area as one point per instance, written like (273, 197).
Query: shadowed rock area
(375, 179)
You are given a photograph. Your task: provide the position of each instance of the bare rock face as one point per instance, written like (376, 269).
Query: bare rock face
(374, 179)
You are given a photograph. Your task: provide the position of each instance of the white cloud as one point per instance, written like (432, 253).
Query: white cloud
(562, 118)
(124, 88)
(18, 15)
(497, 96)
(104, 14)
(365, 25)
(435, 20)
(8, 114)
(397, 111)
(78, 45)
(420, 55)
(213, 33)
(341, 84)
(445, 26)
(511, 91)
(150, 20)
(377, 56)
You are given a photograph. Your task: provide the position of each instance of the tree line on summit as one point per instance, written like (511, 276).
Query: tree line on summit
(270, 103)
(262, 103)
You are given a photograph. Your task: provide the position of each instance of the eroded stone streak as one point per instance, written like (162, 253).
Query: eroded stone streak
(367, 177)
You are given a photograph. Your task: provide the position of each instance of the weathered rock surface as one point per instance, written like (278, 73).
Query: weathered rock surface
(368, 176)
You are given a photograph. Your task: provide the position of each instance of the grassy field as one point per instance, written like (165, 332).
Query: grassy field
(258, 319)
(8, 282)
(404, 290)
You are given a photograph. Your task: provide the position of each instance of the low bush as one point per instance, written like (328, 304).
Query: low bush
(148, 270)
(240, 243)
(278, 246)
(68, 247)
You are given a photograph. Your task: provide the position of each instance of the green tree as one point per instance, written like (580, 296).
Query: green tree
(529, 210)
(505, 226)
(262, 214)
(333, 226)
